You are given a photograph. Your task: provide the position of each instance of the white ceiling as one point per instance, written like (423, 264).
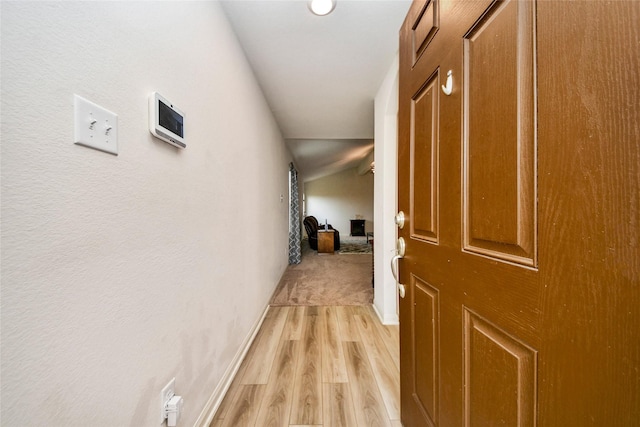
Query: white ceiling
(320, 74)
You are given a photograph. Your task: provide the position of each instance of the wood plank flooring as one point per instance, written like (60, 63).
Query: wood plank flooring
(317, 366)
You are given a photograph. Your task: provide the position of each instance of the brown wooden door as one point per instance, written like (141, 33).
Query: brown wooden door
(522, 194)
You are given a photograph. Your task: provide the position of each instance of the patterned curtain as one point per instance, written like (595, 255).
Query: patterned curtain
(294, 217)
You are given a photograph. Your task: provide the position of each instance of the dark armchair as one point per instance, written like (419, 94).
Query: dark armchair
(311, 225)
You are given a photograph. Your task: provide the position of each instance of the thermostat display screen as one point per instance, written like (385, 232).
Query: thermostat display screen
(170, 119)
(166, 122)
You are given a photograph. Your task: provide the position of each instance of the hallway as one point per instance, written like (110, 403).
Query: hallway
(330, 365)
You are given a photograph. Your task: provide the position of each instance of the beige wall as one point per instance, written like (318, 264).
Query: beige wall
(121, 272)
(340, 197)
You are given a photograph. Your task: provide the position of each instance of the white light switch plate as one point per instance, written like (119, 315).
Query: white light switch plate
(95, 126)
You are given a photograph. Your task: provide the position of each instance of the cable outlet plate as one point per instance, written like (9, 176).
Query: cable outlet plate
(167, 393)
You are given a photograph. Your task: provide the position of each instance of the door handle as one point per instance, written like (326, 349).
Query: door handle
(400, 249)
(394, 266)
(394, 271)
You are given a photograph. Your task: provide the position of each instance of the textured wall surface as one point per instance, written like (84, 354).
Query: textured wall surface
(340, 197)
(121, 272)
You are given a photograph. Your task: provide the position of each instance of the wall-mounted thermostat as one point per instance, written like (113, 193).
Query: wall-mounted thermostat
(166, 121)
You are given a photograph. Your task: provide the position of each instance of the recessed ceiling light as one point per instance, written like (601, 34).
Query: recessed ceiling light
(322, 7)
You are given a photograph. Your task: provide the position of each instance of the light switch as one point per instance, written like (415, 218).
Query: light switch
(95, 127)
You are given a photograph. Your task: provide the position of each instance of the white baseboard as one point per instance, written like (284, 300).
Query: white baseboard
(209, 411)
(393, 321)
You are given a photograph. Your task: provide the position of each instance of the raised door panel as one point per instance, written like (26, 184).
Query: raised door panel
(499, 134)
(425, 27)
(500, 376)
(424, 161)
(426, 349)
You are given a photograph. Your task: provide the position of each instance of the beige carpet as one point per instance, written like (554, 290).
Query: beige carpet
(326, 280)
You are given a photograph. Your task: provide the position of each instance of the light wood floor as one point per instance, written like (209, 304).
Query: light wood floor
(317, 366)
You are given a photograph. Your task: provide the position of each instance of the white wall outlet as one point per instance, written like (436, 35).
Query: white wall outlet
(167, 393)
(95, 126)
